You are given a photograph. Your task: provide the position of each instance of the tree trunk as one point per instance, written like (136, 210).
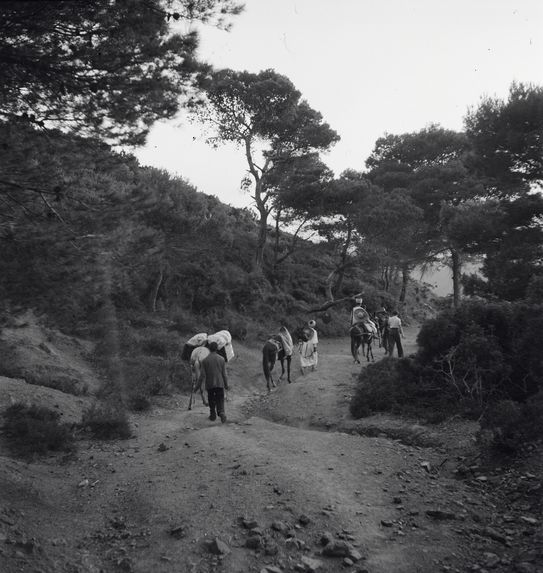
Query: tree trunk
(328, 286)
(343, 259)
(262, 236)
(405, 280)
(276, 242)
(456, 268)
(155, 290)
(385, 277)
(261, 199)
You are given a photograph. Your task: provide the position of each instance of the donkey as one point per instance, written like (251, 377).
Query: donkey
(361, 338)
(271, 351)
(196, 357)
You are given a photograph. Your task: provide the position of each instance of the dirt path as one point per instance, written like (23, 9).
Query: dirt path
(153, 503)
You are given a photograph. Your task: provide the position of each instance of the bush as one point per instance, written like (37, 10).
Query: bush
(183, 321)
(403, 387)
(510, 424)
(36, 430)
(139, 403)
(106, 422)
(534, 292)
(487, 351)
(160, 345)
(376, 391)
(151, 375)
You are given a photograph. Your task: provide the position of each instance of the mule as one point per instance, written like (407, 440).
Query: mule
(271, 352)
(196, 357)
(361, 338)
(195, 350)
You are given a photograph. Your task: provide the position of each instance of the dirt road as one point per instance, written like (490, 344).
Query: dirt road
(267, 489)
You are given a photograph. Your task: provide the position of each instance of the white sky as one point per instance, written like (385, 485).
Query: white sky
(369, 66)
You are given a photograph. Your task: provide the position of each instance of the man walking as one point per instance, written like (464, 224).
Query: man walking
(216, 382)
(395, 334)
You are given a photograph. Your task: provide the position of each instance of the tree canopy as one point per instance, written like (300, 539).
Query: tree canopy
(507, 137)
(265, 115)
(100, 67)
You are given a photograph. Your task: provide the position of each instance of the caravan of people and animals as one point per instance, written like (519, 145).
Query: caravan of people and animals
(208, 355)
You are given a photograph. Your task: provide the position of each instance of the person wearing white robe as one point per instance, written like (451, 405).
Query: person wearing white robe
(309, 356)
(288, 347)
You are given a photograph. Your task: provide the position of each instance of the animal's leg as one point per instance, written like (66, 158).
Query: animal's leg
(192, 386)
(288, 369)
(358, 346)
(272, 365)
(191, 396)
(354, 349)
(198, 383)
(267, 375)
(281, 358)
(370, 352)
(270, 383)
(266, 367)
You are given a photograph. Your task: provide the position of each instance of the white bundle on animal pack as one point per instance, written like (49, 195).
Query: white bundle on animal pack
(371, 327)
(198, 339)
(359, 314)
(195, 342)
(224, 340)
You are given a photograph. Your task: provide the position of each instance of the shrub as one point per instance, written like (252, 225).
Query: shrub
(401, 386)
(139, 403)
(182, 321)
(237, 324)
(36, 430)
(437, 336)
(376, 391)
(510, 423)
(475, 369)
(487, 351)
(534, 292)
(159, 345)
(106, 422)
(148, 375)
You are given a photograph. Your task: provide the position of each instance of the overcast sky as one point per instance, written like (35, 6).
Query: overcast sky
(369, 66)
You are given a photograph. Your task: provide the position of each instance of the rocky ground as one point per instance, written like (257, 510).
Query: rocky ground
(289, 483)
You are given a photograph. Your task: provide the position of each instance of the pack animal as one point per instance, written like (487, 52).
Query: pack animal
(361, 338)
(271, 352)
(195, 350)
(196, 357)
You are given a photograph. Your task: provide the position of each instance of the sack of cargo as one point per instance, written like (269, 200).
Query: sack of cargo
(198, 339)
(224, 343)
(360, 314)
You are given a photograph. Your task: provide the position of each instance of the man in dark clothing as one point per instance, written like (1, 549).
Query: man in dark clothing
(213, 373)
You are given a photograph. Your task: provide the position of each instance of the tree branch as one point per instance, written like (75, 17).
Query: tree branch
(332, 303)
